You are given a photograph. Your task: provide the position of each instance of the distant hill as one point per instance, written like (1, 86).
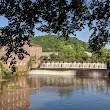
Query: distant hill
(52, 43)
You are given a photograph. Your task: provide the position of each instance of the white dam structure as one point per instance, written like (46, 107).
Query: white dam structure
(73, 65)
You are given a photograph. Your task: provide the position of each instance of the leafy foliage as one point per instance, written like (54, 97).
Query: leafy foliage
(99, 22)
(29, 64)
(31, 61)
(80, 54)
(103, 54)
(67, 53)
(62, 17)
(52, 43)
(5, 71)
(69, 50)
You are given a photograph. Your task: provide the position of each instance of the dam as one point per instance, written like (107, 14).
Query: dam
(72, 65)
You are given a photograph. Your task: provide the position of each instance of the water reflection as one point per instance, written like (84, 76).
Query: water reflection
(93, 73)
(49, 88)
(69, 92)
(18, 98)
(66, 84)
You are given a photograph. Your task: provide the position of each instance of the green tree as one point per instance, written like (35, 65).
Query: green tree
(79, 54)
(103, 54)
(94, 58)
(52, 43)
(53, 57)
(60, 17)
(67, 53)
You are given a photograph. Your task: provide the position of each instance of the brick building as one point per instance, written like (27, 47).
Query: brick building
(35, 52)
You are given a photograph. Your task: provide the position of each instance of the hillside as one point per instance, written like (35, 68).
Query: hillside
(51, 43)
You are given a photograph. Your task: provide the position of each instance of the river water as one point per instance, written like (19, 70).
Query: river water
(55, 92)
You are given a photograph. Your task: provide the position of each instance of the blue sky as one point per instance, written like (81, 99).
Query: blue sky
(82, 35)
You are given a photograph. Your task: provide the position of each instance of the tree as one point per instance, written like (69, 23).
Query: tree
(67, 53)
(53, 57)
(52, 43)
(103, 54)
(61, 17)
(100, 17)
(79, 54)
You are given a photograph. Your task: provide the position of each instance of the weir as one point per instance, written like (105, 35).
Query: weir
(73, 65)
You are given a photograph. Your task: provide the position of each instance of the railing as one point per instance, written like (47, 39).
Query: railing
(53, 65)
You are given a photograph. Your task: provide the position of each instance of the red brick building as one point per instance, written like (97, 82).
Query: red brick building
(35, 52)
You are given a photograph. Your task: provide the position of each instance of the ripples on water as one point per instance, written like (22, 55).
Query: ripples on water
(47, 92)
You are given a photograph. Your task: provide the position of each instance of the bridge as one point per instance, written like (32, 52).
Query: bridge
(72, 65)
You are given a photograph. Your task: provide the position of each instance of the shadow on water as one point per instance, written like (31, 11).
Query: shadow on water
(93, 73)
(109, 74)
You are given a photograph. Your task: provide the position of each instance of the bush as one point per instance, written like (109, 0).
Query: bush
(5, 71)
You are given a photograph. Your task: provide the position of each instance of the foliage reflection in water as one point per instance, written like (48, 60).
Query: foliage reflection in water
(48, 92)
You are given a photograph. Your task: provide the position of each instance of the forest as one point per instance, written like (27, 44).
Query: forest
(59, 17)
(52, 43)
(71, 49)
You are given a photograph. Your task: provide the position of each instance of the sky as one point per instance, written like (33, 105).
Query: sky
(82, 35)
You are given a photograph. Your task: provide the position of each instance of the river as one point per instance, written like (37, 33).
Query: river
(55, 92)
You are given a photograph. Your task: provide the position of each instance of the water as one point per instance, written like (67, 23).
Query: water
(55, 92)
